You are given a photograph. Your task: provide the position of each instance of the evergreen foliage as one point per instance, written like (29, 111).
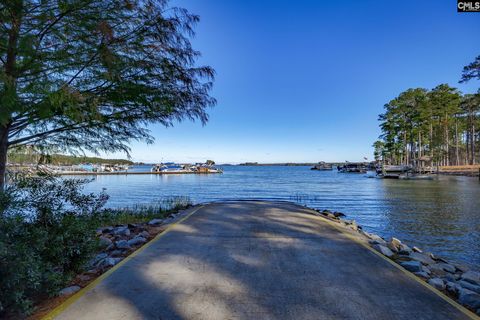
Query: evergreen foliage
(439, 125)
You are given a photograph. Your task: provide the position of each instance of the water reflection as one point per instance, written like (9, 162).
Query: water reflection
(441, 215)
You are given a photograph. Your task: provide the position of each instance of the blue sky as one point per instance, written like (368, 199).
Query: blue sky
(304, 81)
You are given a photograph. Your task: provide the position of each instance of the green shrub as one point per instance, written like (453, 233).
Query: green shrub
(47, 234)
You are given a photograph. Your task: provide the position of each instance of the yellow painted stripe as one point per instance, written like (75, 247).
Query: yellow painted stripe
(349, 235)
(55, 312)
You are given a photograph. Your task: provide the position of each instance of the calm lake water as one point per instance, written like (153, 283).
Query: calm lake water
(441, 215)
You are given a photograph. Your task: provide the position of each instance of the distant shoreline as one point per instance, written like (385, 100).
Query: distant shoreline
(286, 164)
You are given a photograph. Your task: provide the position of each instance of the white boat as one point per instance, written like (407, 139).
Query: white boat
(204, 168)
(169, 167)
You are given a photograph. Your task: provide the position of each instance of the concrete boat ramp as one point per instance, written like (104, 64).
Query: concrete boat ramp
(257, 260)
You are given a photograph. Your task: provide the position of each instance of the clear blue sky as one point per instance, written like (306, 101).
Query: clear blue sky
(304, 81)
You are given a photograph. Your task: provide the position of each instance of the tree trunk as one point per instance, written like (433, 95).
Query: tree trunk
(419, 145)
(472, 146)
(457, 156)
(447, 149)
(3, 155)
(467, 147)
(431, 139)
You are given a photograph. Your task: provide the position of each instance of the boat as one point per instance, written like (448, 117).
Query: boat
(351, 167)
(322, 166)
(111, 168)
(393, 171)
(169, 167)
(207, 168)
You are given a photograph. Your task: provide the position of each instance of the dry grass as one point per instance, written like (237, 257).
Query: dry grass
(465, 168)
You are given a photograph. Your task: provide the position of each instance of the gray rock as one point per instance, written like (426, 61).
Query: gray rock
(116, 253)
(392, 247)
(375, 239)
(469, 286)
(426, 270)
(122, 244)
(472, 277)
(395, 243)
(452, 287)
(469, 298)
(450, 277)
(136, 241)
(155, 221)
(122, 231)
(422, 274)
(104, 241)
(373, 236)
(107, 229)
(404, 249)
(99, 257)
(109, 262)
(383, 250)
(437, 283)
(412, 266)
(416, 249)
(338, 214)
(461, 268)
(421, 257)
(437, 269)
(438, 259)
(145, 234)
(69, 290)
(447, 267)
(380, 242)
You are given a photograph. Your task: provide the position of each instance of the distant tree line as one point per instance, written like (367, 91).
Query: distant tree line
(26, 156)
(440, 126)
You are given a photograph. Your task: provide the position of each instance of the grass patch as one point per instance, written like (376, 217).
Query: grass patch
(142, 212)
